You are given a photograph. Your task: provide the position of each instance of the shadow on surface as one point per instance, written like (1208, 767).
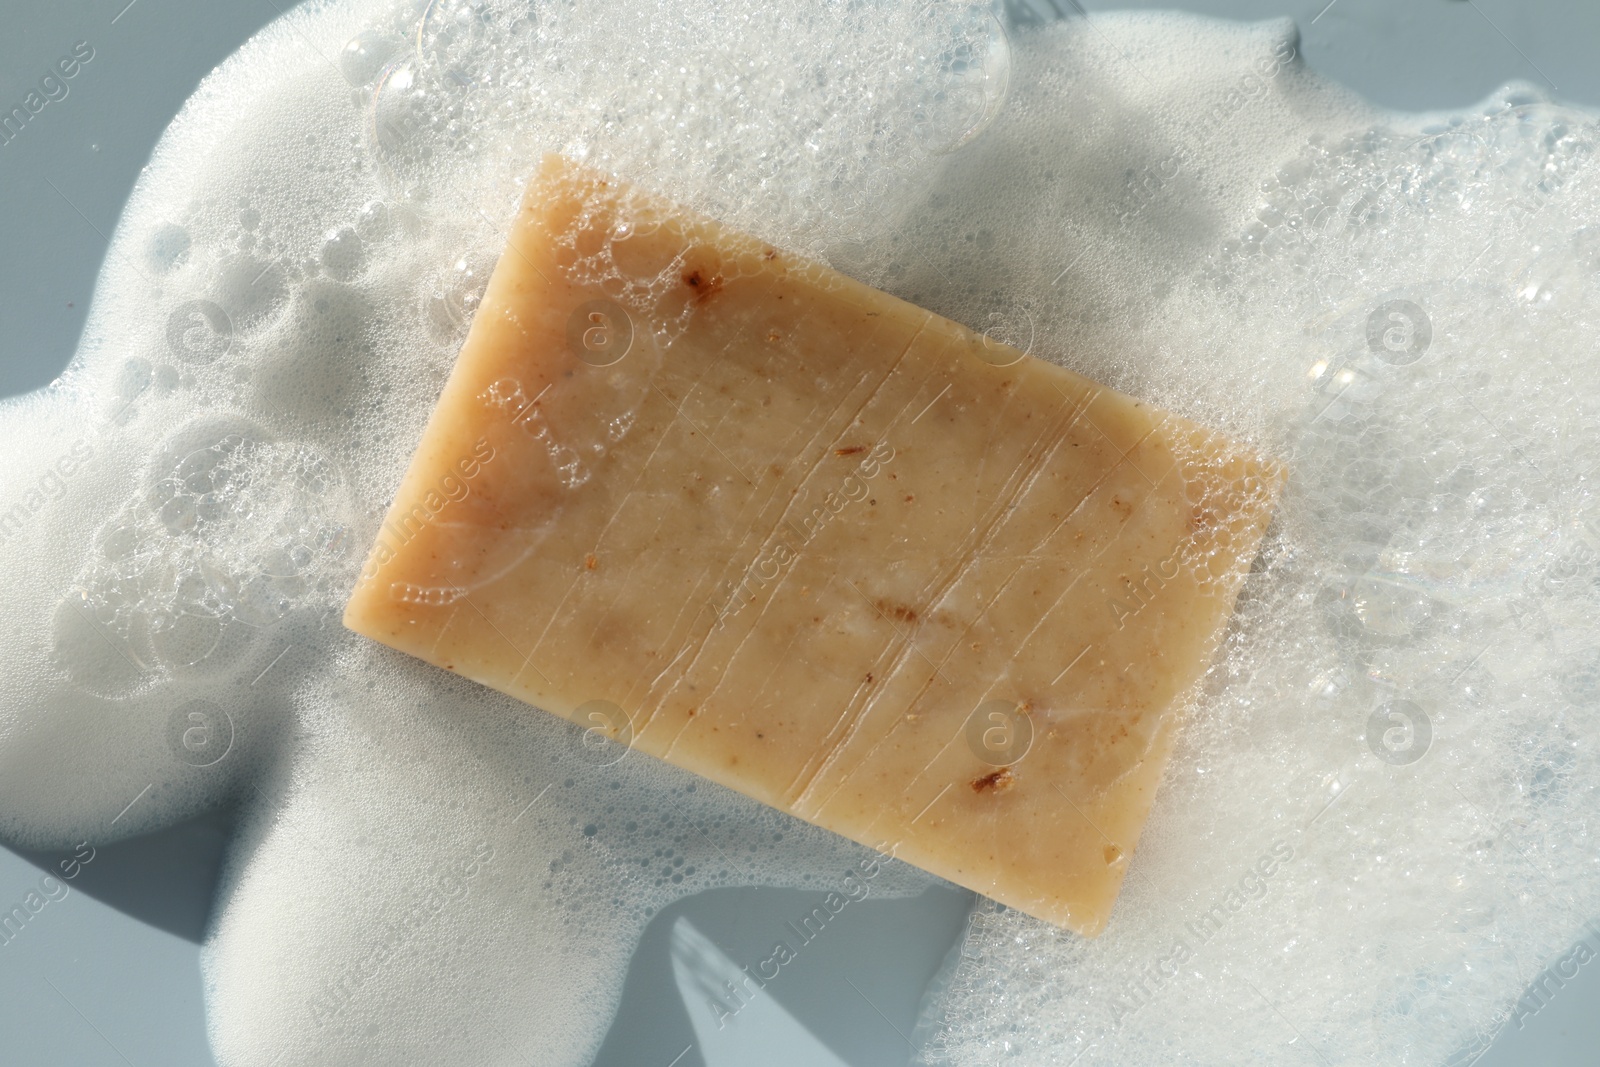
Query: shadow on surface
(885, 950)
(167, 878)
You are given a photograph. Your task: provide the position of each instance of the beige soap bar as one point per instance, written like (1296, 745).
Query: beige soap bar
(818, 545)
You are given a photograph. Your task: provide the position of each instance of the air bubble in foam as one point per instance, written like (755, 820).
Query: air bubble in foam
(427, 872)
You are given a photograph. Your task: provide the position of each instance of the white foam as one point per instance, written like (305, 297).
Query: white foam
(1171, 205)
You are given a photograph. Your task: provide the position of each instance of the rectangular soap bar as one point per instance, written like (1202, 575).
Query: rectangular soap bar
(817, 544)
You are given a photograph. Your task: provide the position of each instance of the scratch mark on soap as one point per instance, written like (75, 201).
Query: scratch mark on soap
(932, 402)
(931, 803)
(737, 469)
(521, 415)
(1075, 659)
(910, 644)
(527, 658)
(1078, 409)
(809, 775)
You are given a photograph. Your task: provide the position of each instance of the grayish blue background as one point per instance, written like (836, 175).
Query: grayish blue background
(86, 984)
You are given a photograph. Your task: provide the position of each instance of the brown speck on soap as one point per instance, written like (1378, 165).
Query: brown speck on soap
(903, 612)
(702, 286)
(994, 782)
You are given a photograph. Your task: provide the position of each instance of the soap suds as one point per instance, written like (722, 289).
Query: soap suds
(1376, 827)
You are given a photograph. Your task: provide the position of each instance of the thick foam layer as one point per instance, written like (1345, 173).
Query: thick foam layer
(1375, 830)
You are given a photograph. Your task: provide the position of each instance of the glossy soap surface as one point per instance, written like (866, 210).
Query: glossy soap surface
(819, 545)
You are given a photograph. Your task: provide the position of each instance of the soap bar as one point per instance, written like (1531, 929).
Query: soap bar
(743, 513)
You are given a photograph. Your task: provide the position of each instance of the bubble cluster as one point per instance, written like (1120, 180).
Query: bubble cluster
(1376, 825)
(231, 533)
